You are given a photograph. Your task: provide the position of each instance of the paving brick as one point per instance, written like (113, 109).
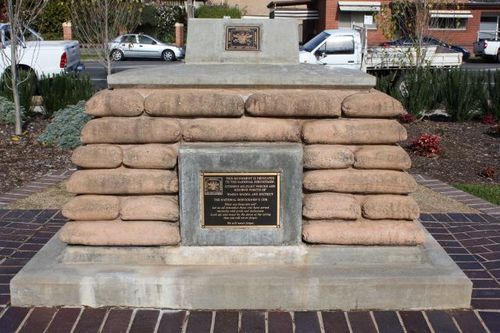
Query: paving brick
(226, 321)
(117, 321)
(469, 265)
(361, 322)
(442, 322)
(144, 321)
(414, 322)
(38, 320)
(280, 322)
(388, 322)
(90, 321)
(199, 322)
(485, 304)
(488, 284)
(491, 320)
(172, 322)
(253, 322)
(335, 322)
(306, 322)
(12, 318)
(468, 322)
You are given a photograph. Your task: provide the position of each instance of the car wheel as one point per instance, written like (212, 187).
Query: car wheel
(401, 85)
(498, 56)
(117, 55)
(168, 55)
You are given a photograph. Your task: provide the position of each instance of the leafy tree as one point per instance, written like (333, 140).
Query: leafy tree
(55, 13)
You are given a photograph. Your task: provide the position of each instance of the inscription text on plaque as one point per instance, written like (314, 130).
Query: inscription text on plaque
(240, 199)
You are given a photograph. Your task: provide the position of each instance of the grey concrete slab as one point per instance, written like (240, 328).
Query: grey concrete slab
(302, 76)
(340, 277)
(278, 42)
(283, 158)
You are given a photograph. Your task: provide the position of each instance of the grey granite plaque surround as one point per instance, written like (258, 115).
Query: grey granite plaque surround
(214, 165)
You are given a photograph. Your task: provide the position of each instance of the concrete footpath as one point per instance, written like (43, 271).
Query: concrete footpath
(472, 241)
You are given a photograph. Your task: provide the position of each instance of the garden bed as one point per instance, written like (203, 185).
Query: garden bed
(27, 159)
(467, 149)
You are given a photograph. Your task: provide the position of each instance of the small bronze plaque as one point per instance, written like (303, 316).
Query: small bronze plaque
(242, 38)
(240, 199)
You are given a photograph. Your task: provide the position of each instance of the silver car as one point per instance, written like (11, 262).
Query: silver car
(143, 46)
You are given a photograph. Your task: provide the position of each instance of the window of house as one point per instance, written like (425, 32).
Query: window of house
(349, 19)
(448, 23)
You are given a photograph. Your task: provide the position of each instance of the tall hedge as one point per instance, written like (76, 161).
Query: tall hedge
(55, 13)
(217, 11)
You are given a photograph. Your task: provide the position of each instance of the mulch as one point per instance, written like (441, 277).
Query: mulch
(27, 159)
(467, 149)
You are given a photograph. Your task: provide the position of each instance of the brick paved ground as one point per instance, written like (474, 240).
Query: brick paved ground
(454, 193)
(472, 240)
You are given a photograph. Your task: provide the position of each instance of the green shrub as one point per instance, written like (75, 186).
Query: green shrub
(217, 11)
(491, 96)
(167, 16)
(462, 92)
(50, 21)
(27, 88)
(418, 91)
(64, 129)
(64, 89)
(8, 111)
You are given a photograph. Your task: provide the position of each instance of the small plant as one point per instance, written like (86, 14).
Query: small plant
(27, 88)
(407, 118)
(64, 89)
(418, 91)
(491, 95)
(461, 91)
(8, 111)
(426, 145)
(488, 119)
(488, 172)
(64, 130)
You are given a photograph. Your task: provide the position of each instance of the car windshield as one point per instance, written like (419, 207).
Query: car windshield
(313, 43)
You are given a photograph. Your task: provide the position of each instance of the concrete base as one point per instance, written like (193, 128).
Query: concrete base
(285, 278)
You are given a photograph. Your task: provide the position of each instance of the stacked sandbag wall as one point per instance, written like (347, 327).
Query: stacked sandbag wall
(355, 186)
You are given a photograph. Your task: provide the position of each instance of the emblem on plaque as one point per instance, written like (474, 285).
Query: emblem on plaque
(213, 186)
(242, 38)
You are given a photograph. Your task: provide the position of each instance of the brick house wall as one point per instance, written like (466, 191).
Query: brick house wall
(329, 19)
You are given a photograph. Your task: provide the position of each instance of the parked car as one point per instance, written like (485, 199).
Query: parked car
(347, 48)
(41, 57)
(428, 40)
(488, 48)
(143, 46)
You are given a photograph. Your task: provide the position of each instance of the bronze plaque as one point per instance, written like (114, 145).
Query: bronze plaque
(242, 38)
(240, 199)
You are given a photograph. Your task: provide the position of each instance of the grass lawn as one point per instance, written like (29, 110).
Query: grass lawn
(489, 193)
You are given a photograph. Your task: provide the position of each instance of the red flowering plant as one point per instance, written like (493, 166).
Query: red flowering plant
(407, 118)
(489, 119)
(426, 145)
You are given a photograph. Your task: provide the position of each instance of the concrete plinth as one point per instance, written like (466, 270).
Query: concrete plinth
(261, 277)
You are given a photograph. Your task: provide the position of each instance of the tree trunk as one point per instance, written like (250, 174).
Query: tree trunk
(189, 9)
(13, 70)
(106, 37)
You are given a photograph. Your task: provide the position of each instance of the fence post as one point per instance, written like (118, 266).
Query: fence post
(67, 31)
(179, 34)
